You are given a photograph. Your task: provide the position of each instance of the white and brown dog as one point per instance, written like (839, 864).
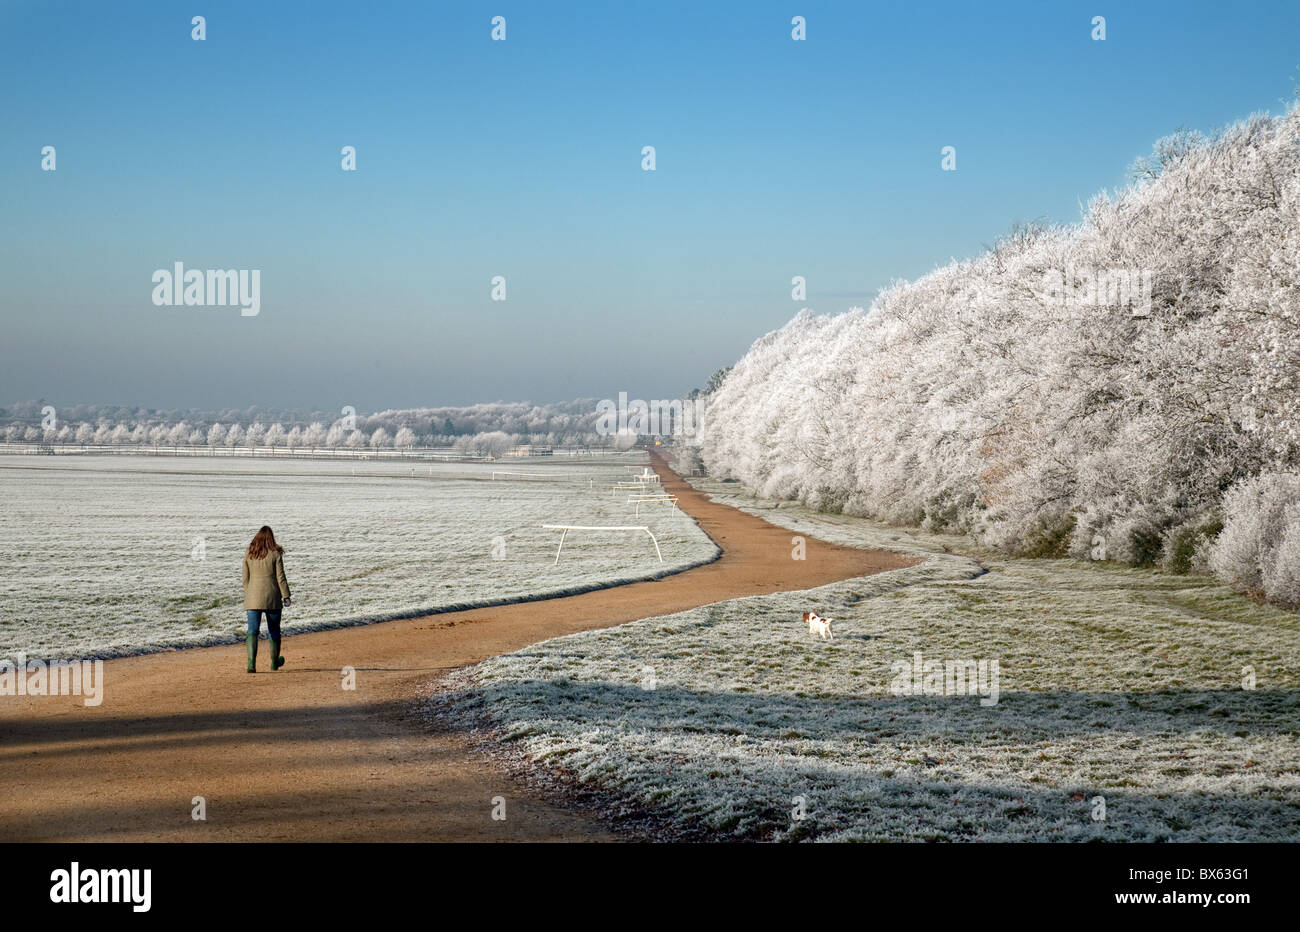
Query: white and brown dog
(819, 625)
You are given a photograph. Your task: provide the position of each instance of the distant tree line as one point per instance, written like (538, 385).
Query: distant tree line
(482, 429)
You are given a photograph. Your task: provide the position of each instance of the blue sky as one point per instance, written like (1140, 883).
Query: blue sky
(522, 158)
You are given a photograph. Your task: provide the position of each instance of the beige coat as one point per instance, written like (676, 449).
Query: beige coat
(264, 582)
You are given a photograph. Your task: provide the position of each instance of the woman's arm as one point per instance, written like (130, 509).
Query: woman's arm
(280, 578)
(244, 571)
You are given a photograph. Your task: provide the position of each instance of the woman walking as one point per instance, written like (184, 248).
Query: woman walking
(266, 589)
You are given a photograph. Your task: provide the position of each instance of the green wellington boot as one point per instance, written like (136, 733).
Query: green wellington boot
(276, 660)
(251, 641)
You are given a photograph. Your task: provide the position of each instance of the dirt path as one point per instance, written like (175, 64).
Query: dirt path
(293, 756)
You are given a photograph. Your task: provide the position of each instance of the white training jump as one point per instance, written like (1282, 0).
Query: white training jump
(566, 528)
(637, 486)
(640, 500)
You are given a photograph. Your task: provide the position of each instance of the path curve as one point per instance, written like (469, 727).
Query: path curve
(291, 756)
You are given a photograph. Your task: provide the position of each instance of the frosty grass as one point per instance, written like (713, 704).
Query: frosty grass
(1116, 683)
(108, 555)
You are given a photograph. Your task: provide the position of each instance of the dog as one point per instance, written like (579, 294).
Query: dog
(819, 625)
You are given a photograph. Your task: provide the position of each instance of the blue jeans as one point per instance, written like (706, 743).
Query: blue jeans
(272, 622)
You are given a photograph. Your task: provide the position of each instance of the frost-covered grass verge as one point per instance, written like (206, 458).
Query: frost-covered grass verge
(1122, 713)
(105, 556)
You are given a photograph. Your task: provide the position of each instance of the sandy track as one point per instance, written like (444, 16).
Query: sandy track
(293, 756)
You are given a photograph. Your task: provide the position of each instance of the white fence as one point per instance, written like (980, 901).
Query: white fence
(566, 528)
(640, 500)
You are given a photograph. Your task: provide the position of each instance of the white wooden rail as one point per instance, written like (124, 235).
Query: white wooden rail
(645, 474)
(640, 500)
(566, 528)
(531, 475)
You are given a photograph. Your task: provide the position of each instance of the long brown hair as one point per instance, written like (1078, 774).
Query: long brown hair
(263, 543)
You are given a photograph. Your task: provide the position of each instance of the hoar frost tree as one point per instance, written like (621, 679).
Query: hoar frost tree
(1090, 390)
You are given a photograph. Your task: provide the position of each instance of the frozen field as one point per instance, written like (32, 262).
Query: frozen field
(105, 555)
(1122, 714)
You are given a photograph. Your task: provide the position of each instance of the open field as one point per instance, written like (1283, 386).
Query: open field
(292, 756)
(1122, 713)
(101, 556)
